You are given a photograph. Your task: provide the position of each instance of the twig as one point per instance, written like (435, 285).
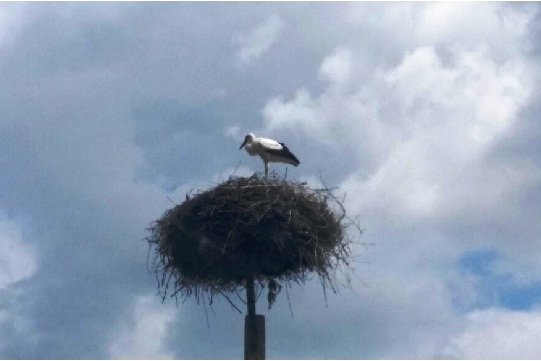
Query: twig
(206, 313)
(240, 297)
(288, 300)
(170, 200)
(230, 302)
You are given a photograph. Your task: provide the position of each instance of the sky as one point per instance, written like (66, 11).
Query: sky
(424, 115)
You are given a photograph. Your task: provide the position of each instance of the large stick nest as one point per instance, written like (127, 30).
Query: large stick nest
(273, 230)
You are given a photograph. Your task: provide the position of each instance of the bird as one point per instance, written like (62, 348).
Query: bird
(269, 150)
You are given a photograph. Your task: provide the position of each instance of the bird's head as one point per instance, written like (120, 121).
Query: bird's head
(248, 139)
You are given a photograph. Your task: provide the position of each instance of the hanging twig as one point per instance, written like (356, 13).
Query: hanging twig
(231, 302)
(288, 300)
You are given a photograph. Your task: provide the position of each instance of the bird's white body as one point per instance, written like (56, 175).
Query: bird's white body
(269, 150)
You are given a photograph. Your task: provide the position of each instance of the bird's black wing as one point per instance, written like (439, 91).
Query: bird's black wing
(284, 152)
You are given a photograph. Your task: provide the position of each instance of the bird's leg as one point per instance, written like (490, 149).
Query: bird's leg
(266, 169)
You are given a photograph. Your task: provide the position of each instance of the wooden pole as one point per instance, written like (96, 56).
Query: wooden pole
(254, 327)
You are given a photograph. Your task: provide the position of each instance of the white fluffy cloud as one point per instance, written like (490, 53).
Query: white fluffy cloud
(498, 334)
(426, 127)
(447, 119)
(254, 43)
(144, 336)
(497, 28)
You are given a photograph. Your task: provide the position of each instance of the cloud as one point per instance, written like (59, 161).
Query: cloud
(337, 68)
(233, 132)
(253, 44)
(17, 258)
(18, 262)
(497, 333)
(501, 30)
(450, 104)
(144, 337)
(400, 116)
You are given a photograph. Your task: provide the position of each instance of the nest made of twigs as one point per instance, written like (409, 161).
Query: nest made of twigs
(271, 230)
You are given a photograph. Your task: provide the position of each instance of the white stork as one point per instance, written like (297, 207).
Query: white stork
(269, 150)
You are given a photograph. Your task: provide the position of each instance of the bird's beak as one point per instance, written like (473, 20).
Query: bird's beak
(243, 144)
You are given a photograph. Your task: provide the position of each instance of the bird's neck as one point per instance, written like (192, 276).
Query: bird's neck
(250, 148)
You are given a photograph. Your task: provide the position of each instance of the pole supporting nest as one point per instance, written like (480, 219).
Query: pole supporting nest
(254, 327)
